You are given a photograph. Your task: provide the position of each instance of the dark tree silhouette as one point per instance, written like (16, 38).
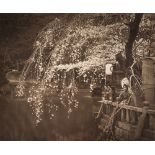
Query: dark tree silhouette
(133, 31)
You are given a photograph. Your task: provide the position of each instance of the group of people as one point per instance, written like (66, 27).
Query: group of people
(109, 93)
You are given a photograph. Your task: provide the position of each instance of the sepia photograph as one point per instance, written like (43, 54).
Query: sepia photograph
(77, 77)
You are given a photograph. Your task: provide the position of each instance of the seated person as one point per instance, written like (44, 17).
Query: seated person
(124, 95)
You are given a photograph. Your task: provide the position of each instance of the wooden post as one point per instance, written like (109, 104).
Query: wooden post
(122, 115)
(132, 117)
(151, 122)
(108, 108)
(141, 122)
(127, 115)
(111, 108)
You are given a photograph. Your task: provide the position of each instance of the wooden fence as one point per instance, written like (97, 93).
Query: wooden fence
(132, 122)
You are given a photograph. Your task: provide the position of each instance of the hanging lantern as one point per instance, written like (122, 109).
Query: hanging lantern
(108, 69)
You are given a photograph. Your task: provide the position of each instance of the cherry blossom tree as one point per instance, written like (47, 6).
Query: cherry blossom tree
(67, 49)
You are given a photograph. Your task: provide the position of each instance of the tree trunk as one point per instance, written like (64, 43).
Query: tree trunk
(133, 31)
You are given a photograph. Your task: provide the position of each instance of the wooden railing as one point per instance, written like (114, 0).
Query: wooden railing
(129, 117)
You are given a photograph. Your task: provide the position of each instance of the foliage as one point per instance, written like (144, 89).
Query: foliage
(86, 43)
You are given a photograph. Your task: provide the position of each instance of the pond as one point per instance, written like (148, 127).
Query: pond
(17, 121)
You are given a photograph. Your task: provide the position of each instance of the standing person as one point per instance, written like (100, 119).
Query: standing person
(121, 60)
(107, 92)
(103, 82)
(138, 66)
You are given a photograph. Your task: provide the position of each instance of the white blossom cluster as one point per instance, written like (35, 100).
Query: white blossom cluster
(59, 49)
